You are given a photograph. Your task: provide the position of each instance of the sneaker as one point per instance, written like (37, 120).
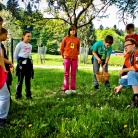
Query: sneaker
(73, 91)
(134, 103)
(29, 98)
(96, 87)
(108, 87)
(4, 123)
(18, 98)
(67, 91)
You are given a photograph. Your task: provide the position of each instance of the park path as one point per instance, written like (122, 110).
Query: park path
(79, 67)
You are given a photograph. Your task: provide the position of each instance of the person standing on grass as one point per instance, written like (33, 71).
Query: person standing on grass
(101, 51)
(24, 67)
(131, 79)
(4, 92)
(70, 50)
(8, 64)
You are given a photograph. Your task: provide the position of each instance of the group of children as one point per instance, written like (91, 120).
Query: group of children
(101, 52)
(69, 49)
(24, 69)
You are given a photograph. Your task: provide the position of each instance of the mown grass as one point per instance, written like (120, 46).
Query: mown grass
(87, 114)
(57, 60)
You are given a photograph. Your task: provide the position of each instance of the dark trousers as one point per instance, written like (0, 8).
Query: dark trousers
(24, 72)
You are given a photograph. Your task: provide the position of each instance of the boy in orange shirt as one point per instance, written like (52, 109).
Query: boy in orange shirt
(69, 50)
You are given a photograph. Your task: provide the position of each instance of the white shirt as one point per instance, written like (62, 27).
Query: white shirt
(22, 50)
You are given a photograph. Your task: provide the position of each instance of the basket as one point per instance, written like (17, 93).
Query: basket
(102, 76)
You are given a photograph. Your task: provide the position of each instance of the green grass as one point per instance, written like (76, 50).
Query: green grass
(58, 61)
(87, 114)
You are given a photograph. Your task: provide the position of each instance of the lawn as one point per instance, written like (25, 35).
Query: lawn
(57, 60)
(87, 114)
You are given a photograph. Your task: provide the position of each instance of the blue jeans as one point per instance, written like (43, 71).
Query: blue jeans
(4, 102)
(131, 80)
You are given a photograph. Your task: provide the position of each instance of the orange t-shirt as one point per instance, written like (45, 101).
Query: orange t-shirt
(70, 47)
(135, 60)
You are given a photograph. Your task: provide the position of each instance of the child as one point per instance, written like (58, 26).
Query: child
(130, 30)
(4, 93)
(8, 64)
(24, 67)
(101, 51)
(69, 50)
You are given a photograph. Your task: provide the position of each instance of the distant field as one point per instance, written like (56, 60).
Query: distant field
(57, 60)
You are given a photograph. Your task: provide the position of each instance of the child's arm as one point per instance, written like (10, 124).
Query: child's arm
(17, 50)
(95, 54)
(62, 47)
(2, 62)
(6, 60)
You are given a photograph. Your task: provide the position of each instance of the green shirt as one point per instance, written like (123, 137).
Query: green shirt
(101, 49)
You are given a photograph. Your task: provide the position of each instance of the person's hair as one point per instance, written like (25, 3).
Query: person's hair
(130, 26)
(1, 19)
(133, 41)
(25, 32)
(72, 27)
(109, 39)
(3, 31)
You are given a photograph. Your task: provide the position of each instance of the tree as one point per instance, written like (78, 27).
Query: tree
(127, 9)
(87, 38)
(13, 7)
(119, 32)
(73, 11)
(118, 40)
(101, 27)
(2, 6)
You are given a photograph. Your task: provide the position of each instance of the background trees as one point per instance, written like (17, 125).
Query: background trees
(49, 28)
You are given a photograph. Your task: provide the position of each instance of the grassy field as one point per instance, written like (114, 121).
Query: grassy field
(87, 114)
(57, 60)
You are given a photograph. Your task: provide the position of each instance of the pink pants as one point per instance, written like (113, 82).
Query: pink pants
(73, 63)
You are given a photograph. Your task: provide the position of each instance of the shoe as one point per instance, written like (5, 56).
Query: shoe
(67, 91)
(29, 98)
(134, 103)
(108, 87)
(73, 91)
(4, 123)
(96, 87)
(18, 98)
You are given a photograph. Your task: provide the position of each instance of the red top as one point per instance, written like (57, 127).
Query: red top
(3, 77)
(135, 37)
(70, 47)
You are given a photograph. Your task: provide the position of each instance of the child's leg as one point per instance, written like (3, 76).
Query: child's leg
(107, 83)
(74, 66)
(28, 81)
(96, 67)
(20, 82)
(66, 73)
(4, 102)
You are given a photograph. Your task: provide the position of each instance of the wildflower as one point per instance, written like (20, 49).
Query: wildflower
(30, 125)
(125, 126)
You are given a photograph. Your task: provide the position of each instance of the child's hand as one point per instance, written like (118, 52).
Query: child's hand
(11, 65)
(100, 61)
(5, 71)
(103, 67)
